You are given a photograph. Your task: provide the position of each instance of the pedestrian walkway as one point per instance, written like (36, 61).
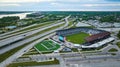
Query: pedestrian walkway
(107, 48)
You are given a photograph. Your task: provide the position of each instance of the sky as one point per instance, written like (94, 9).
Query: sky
(59, 5)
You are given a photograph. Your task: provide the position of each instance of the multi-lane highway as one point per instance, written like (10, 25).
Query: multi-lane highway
(14, 38)
(26, 29)
(22, 51)
(23, 35)
(7, 33)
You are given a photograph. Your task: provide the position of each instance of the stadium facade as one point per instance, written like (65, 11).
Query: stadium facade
(96, 39)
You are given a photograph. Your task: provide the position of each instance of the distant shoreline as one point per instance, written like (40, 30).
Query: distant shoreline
(12, 12)
(21, 15)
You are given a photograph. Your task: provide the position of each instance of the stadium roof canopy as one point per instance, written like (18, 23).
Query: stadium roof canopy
(97, 36)
(98, 44)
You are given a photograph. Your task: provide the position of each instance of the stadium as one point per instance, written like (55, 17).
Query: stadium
(85, 37)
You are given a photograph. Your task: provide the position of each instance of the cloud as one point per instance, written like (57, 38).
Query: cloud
(89, 10)
(22, 1)
(67, 5)
(55, 3)
(65, 1)
(113, 0)
(98, 5)
(2, 5)
(87, 5)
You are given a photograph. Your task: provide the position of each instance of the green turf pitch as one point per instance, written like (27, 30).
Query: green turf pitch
(47, 45)
(78, 38)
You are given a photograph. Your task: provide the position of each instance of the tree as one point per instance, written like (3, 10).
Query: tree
(7, 21)
(108, 19)
(118, 35)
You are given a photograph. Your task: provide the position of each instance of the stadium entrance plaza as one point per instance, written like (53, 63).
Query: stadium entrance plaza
(97, 63)
(87, 63)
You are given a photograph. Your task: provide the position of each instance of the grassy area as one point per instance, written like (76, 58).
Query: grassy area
(11, 52)
(90, 26)
(64, 52)
(30, 28)
(47, 45)
(36, 26)
(33, 63)
(74, 49)
(78, 38)
(113, 54)
(91, 51)
(70, 23)
(47, 52)
(45, 30)
(113, 50)
(118, 44)
(32, 51)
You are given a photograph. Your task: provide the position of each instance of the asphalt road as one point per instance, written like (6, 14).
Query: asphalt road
(7, 48)
(75, 59)
(22, 51)
(4, 34)
(96, 63)
(25, 49)
(10, 34)
(15, 38)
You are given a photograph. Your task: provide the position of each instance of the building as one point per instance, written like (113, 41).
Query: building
(98, 37)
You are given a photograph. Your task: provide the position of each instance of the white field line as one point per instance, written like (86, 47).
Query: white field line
(37, 50)
(44, 46)
(53, 44)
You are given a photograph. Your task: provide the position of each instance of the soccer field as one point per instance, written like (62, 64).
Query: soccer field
(47, 45)
(78, 38)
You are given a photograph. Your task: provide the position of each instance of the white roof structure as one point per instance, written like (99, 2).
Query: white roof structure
(117, 24)
(11, 27)
(80, 24)
(76, 45)
(56, 51)
(98, 44)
